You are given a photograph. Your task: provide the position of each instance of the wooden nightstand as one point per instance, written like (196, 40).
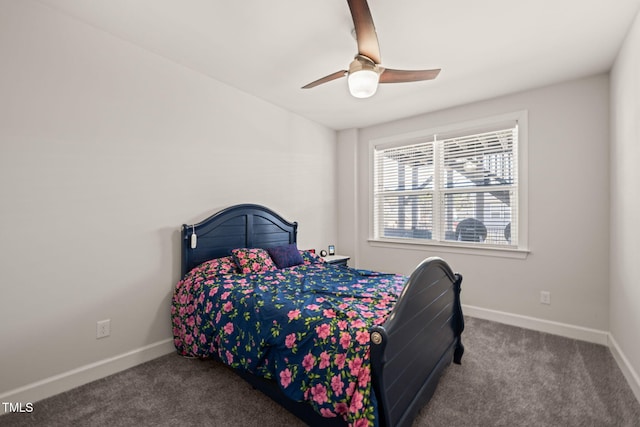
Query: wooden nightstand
(336, 259)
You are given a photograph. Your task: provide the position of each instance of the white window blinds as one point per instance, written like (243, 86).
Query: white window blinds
(456, 189)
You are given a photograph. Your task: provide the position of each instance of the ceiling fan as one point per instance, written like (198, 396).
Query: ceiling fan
(365, 71)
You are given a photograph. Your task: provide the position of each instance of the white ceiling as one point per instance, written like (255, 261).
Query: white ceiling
(270, 49)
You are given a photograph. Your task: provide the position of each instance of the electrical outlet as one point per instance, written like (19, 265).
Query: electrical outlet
(545, 297)
(103, 328)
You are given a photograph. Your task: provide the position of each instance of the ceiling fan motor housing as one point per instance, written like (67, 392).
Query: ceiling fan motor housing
(361, 62)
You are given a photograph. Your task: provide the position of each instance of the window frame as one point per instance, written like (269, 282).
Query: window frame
(452, 130)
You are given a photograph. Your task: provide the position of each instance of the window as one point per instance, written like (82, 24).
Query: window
(455, 186)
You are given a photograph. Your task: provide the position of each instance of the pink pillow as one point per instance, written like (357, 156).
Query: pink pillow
(253, 260)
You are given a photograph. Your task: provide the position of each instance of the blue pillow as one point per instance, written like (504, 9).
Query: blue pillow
(285, 256)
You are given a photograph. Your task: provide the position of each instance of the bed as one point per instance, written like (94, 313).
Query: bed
(332, 344)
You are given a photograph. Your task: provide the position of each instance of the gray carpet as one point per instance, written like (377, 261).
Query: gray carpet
(509, 377)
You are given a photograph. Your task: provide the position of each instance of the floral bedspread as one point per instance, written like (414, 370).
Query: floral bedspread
(306, 327)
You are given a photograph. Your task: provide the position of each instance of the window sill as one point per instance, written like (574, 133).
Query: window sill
(451, 247)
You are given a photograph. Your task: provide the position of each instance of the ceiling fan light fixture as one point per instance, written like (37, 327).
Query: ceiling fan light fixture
(363, 77)
(363, 83)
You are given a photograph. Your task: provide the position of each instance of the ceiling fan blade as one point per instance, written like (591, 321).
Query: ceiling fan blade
(326, 79)
(365, 30)
(400, 76)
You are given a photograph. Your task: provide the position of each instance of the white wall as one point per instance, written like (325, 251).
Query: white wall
(625, 204)
(105, 150)
(568, 207)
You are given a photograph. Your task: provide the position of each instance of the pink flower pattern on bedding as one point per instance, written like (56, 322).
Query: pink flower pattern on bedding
(306, 327)
(224, 265)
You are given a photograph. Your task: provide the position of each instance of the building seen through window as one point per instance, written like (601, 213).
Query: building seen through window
(461, 188)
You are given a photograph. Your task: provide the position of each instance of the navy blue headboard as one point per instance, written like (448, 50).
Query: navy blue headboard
(240, 226)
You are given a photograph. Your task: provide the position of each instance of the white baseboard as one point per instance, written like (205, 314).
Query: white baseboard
(66, 381)
(94, 371)
(556, 328)
(627, 370)
(570, 331)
